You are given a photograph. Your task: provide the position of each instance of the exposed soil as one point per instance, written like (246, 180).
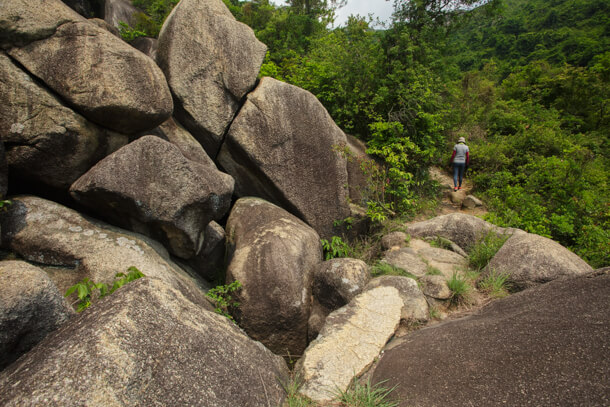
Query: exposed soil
(451, 201)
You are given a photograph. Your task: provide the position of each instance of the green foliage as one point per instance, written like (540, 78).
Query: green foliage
(440, 242)
(367, 395)
(433, 271)
(381, 268)
(335, 248)
(293, 397)
(156, 11)
(4, 204)
(223, 299)
(460, 289)
(485, 249)
(434, 312)
(86, 289)
(129, 34)
(495, 284)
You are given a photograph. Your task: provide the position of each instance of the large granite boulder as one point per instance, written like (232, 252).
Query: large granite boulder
(30, 308)
(146, 345)
(273, 255)
(350, 342)
(283, 147)
(149, 187)
(464, 230)
(529, 260)
(47, 143)
(546, 346)
(211, 61)
(70, 247)
(99, 75)
(173, 132)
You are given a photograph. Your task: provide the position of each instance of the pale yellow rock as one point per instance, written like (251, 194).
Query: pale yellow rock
(349, 342)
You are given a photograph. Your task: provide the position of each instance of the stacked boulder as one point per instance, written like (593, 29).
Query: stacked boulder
(163, 154)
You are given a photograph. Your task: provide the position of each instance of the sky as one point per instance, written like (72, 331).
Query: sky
(379, 8)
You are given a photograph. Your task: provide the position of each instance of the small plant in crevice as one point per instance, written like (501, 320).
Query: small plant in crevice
(86, 290)
(472, 275)
(367, 395)
(4, 203)
(440, 243)
(434, 312)
(433, 271)
(222, 297)
(347, 223)
(381, 268)
(293, 397)
(495, 284)
(485, 249)
(335, 248)
(460, 289)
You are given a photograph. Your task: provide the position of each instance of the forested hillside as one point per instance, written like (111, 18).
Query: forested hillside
(525, 81)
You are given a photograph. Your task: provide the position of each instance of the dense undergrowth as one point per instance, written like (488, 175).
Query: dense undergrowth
(525, 81)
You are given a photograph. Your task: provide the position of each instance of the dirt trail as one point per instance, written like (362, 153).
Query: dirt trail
(452, 201)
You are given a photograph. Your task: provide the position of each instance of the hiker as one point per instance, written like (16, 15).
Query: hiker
(460, 159)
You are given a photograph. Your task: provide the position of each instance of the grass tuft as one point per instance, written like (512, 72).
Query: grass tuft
(495, 284)
(460, 289)
(293, 397)
(485, 249)
(433, 271)
(366, 395)
(381, 268)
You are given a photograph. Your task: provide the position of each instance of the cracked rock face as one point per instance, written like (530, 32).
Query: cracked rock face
(283, 147)
(99, 75)
(273, 254)
(350, 341)
(211, 61)
(46, 142)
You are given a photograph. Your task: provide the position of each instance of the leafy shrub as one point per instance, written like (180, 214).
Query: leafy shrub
(129, 34)
(335, 248)
(222, 297)
(484, 249)
(86, 289)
